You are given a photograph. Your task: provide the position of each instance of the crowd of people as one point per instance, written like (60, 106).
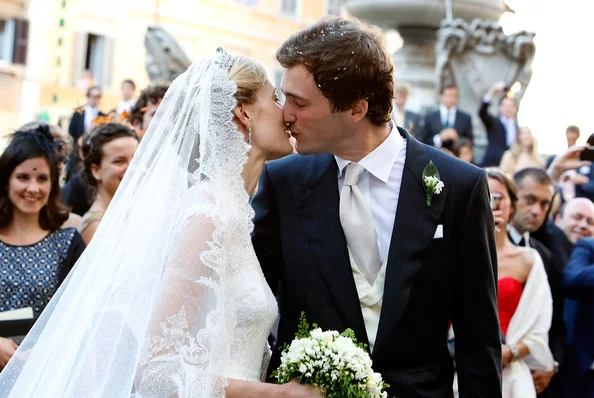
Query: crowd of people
(57, 185)
(541, 211)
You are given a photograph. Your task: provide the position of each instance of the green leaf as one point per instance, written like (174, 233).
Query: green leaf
(303, 327)
(430, 171)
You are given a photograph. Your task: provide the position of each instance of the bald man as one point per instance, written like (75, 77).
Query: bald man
(576, 219)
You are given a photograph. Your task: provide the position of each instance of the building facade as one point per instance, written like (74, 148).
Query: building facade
(52, 50)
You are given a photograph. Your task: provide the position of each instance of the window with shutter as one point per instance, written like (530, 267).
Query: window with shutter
(21, 41)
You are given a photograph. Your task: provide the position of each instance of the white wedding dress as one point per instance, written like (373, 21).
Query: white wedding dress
(248, 304)
(168, 300)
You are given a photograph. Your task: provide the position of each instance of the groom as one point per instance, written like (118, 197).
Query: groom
(349, 235)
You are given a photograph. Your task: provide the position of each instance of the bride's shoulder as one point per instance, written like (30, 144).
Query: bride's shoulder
(196, 206)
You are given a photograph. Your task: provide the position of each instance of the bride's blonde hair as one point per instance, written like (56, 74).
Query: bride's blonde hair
(249, 75)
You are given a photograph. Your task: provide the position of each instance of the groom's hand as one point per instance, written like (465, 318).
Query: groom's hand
(296, 390)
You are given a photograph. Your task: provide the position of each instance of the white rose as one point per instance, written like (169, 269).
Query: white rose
(317, 334)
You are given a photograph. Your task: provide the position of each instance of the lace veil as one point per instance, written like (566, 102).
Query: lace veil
(156, 264)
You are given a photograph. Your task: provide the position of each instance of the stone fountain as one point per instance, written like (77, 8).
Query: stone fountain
(468, 49)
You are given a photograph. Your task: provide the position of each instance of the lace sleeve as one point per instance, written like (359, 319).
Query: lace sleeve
(188, 338)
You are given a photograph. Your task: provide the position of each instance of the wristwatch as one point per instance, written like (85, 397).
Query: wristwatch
(515, 352)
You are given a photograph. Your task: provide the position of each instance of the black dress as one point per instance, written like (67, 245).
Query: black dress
(30, 275)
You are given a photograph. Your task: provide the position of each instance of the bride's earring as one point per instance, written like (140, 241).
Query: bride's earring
(249, 143)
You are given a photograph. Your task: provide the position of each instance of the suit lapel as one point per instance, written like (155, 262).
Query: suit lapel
(319, 213)
(414, 228)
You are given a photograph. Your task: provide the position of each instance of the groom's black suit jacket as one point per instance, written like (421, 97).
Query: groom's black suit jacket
(302, 249)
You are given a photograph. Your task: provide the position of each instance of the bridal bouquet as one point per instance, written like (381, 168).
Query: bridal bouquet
(330, 360)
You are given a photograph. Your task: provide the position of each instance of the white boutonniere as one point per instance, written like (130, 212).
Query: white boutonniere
(431, 182)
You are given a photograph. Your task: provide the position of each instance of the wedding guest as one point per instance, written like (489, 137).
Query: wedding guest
(62, 146)
(525, 301)
(128, 88)
(445, 125)
(578, 281)
(463, 149)
(35, 254)
(404, 118)
(501, 129)
(145, 108)
(576, 219)
(522, 154)
(535, 194)
(572, 133)
(107, 154)
(586, 188)
(82, 119)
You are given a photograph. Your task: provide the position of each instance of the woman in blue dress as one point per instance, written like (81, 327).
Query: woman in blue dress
(35, 254)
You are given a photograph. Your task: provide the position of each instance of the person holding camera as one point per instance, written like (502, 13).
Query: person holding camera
(502, 129)
(524, 298)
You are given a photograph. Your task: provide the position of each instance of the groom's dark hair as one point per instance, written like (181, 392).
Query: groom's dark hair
(348, 62)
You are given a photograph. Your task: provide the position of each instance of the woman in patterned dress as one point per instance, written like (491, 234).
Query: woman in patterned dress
(35, 254)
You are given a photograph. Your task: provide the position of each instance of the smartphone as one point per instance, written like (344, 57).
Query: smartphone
(495, 199)
(587, 154)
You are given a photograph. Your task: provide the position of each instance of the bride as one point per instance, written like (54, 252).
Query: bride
(169, 300)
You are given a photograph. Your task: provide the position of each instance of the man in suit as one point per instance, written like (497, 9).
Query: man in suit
(445, 125)
(82, 120)
(502, 129)
(578, 281)
(402, 117)
(535, 193)
(345, 231)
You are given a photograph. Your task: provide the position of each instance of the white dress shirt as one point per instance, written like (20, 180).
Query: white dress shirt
(510, 129)
(125, 106)
(380, 183)
(448, 117)
(90, 114)
(516, 236)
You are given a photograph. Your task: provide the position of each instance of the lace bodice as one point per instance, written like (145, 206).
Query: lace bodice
(256, 312)
(216, 303)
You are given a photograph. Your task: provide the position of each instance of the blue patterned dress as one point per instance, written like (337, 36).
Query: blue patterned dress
(30, 275)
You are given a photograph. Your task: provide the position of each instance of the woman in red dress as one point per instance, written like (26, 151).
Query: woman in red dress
(524, 297)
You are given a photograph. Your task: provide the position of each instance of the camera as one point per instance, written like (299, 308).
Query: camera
(587, 154)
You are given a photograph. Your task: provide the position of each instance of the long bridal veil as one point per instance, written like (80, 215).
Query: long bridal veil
(143, 311)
